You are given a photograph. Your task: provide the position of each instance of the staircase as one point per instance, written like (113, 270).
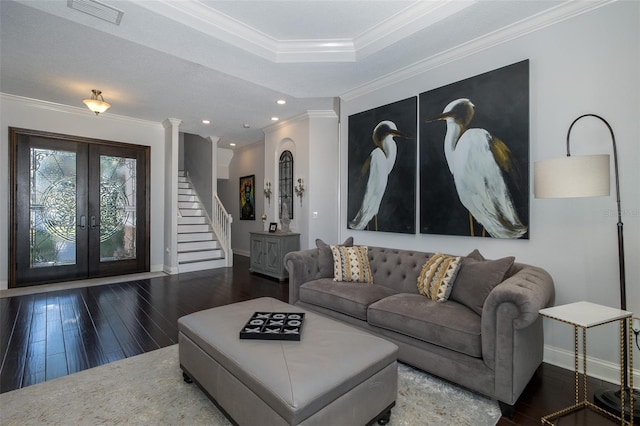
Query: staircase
(198, 247)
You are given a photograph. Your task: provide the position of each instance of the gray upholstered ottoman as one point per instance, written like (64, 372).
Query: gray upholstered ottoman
(335, 375)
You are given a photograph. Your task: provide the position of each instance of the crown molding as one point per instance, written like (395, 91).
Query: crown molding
(519, 29)
(327, 50)
(408, 21)
(305, 116)
(216, 24)
(67, 109)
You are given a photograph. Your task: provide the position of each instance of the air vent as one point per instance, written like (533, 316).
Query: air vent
(97, 9)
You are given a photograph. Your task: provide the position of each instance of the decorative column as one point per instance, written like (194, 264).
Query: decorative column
(171, 155)
(214, 162)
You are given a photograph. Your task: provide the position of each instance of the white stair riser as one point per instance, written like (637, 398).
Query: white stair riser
(186, 191)
(187, 198)
(184, 185)
(198, 245)
(199, 266)
(189, 205)
(200, 236)
(199, 255)
(191, 212)
(192, 220)
(185, 229)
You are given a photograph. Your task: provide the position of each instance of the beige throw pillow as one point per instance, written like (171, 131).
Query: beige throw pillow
(351, 264)
(325, 257)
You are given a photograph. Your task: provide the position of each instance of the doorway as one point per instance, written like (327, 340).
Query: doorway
(79, 208)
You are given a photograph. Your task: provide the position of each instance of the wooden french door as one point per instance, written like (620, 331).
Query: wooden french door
(79, 208)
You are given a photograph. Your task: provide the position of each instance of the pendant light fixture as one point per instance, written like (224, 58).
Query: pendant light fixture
(96, 105)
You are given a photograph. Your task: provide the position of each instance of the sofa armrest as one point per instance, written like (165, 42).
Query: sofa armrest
(529, 289)
(303, 266)
(512, 337)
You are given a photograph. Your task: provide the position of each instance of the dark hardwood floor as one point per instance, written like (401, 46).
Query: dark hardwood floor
(48, 335)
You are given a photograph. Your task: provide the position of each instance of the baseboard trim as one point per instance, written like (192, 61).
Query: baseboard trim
(598, 368)
(170, 270)
(66, 285)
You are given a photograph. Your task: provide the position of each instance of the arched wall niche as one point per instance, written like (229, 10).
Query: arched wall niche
(285, 144)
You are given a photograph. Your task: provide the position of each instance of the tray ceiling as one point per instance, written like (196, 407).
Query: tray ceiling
(229, 61)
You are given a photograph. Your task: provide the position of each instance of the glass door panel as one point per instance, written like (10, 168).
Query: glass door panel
(52, 224)
(117, 208)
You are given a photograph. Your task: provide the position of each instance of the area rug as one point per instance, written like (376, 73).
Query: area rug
(148, 390)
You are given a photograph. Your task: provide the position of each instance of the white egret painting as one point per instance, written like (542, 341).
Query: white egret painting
(474, 156)
(382, 168)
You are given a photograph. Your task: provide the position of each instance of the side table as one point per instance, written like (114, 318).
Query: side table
(585, 315)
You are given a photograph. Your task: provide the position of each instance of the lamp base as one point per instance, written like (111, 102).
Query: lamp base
(610, 401)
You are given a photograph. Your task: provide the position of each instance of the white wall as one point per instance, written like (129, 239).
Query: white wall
(323, 178)
(312, 138)
(291, 135)
(246, 161)
(33, 114)
(576, 67)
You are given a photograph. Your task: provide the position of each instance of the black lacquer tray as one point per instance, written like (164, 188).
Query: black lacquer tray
(274, 326)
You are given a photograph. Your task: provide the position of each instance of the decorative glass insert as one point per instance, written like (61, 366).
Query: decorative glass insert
(52, 208)
(117, 208)
(285, 177)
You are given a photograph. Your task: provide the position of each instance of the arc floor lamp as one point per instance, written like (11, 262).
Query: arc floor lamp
(588, 176)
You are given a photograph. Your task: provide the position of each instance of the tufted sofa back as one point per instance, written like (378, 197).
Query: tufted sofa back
(396, 268)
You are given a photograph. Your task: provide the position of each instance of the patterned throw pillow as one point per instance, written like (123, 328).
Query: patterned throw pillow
(325, 257)
(438, 275)
(351, 264)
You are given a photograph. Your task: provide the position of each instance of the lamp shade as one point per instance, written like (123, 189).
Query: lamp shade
(96, 105)
(572, 177)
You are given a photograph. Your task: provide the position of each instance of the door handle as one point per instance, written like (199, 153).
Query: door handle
(93, 222)
(83, 222)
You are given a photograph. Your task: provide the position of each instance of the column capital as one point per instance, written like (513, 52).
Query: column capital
(171, 122)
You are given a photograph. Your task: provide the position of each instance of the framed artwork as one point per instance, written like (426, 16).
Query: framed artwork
(474, 156)
(273, 227)
(247, 198)
(382, 168)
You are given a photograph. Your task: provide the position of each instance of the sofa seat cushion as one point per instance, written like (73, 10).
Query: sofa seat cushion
(450, 325)
(345, 297)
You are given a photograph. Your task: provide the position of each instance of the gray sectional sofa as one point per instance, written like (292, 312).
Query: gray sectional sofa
(486, 337)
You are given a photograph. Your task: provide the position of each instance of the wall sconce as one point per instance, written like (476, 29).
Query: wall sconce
(299, 188)
(267, 191)
(96, 105)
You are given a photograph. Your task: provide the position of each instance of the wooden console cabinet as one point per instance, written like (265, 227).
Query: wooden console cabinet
(268, 250)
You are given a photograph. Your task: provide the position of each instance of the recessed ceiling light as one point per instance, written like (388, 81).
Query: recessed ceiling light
(246, 125)
(232, 144)
(274, 118)
(206, 121)
(281, 102)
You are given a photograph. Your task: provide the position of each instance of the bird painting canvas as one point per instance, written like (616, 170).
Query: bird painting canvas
(382, 168)
(474, 156)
